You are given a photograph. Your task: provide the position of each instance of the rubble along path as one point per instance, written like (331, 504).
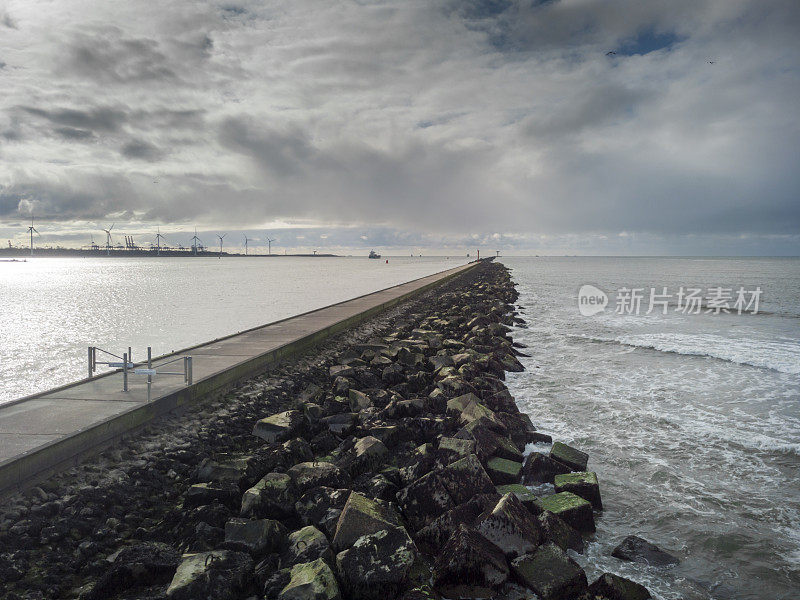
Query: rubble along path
(387, 463)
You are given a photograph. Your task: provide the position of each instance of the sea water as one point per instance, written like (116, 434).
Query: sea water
(52, 309)
(691, 421)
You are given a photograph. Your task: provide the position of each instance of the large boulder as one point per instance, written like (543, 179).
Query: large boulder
(614, 587)
(367, 453)
(146, 564)
(556, 530)
(377, 566)
(272, 497)
(215, 575)
(525, 495)
(340, 424)
(569, 456)
(576, 511)
(636, 549)
(308, 544)
(424, 500)
(256, 536)
(322, 507)
(358, 400)
(436, 534)
(308, 475)
(539, 468)
(279, 427)
(488, 442)
(465, 478)
(510, 527)
(503, 471)
(469, 558)
(201, 494)
(362, 516)
(581, 483)
(550, 573)
(311, 581)
(453, 449)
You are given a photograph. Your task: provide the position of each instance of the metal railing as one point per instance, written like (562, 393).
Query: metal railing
(129, 367)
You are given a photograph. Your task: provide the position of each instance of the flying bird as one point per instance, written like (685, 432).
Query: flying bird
(711, 62)
(610, 52)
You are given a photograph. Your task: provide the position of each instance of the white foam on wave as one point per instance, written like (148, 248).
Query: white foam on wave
(780, 356)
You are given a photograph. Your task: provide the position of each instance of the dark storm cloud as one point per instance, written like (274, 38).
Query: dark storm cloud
(444, 118)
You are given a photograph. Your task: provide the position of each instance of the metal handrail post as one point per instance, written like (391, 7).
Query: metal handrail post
(90, 363)
(149, 375)
(125, 372)
(189, 370)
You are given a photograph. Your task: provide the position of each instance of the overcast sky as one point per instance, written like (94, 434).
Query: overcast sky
(563, 126)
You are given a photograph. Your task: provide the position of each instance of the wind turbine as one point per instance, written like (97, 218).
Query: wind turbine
(31, 229)
(159, 237)
(220, 243)
(246, 239)
(195, 241)
(269, 246)
(108, 239)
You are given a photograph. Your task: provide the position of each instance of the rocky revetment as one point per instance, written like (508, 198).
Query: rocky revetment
(390, 463)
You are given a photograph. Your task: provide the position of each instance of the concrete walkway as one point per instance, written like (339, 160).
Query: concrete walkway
(44, 433)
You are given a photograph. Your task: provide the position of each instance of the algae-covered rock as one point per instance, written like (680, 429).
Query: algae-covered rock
(556, 530)
(526, 496)
(465, 478)
(452, 449)
(256, 536)
(455, 406)
(362, 516)
(539, 468)
(569, 456)
(308, 475)
(279, 427)
(377, 566)
(367, 454)
(581, 483)
(139, 565)
(576, 511)
(550, 573)
(215, 575)
(340, 424)
(308, 544)
(435, 535)
(614, 587)
(272, 497)
(424, 500)
(636, 549)
(201, 494)
(311, 581)
(488, 442)
(510, 527)
(503, 471)
(358, 400)
(468, 558)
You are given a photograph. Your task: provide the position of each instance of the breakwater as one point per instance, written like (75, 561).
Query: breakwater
(385, 464)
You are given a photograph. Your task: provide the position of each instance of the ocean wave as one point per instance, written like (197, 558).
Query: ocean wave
(783, 357)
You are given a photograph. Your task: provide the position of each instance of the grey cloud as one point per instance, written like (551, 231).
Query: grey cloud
(71, 133)
(437, 119)
(104, 119)
(108, 57)
(8, 21)
(140, 149)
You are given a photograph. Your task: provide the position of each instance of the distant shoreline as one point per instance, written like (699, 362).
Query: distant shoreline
(140, 252)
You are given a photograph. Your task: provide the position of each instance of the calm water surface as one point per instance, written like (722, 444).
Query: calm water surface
(52, 309)
(692, 422)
